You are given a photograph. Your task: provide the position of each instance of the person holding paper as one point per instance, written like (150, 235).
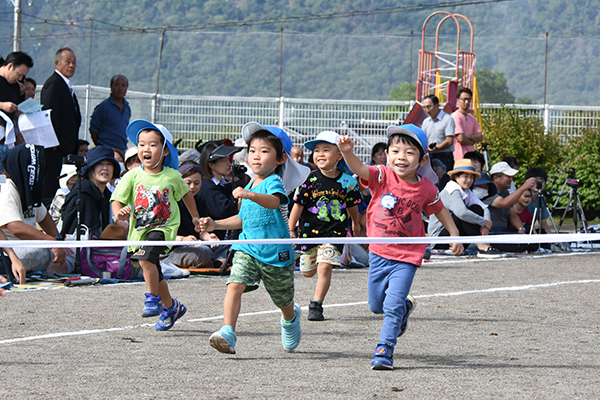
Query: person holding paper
(58, 95)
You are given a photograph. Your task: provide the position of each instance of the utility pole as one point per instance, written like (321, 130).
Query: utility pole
(17, 31)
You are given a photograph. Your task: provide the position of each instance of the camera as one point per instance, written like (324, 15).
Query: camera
(539, 184)
(238, 170)
(78, 161)
(432, 145)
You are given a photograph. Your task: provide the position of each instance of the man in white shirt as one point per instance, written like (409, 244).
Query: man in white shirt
(439, 128)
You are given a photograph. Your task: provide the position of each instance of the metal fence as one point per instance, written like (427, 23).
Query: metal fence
(191, 118)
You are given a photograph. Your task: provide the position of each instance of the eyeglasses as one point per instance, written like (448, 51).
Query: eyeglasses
(465, 99)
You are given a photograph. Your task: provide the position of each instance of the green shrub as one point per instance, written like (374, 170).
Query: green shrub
(509, 133)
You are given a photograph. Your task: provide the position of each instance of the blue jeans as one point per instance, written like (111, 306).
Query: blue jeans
(389, 284)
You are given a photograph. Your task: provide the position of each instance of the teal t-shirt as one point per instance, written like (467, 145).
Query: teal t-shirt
(259, 222)
(153, 200)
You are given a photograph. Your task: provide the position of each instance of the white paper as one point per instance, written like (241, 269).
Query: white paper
(7, 132)
(37, 129)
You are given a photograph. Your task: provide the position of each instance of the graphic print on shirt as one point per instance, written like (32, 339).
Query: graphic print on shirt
(152, 207)
(325, 208)
(398, 220)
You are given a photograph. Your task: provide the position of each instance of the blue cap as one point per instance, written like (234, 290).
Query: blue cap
(420, 137)
(134, 129)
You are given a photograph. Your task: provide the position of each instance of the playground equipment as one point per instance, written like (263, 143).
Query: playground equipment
(442, 73)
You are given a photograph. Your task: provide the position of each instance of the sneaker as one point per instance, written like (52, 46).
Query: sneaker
(170, 315)
(290, 331)
(383, 359)
(315, 311)
(411, 304)
(170, 269)
(490, 252)
(223, 340)
(152, 306)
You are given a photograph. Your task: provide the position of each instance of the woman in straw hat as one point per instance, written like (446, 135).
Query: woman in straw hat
(471, 216)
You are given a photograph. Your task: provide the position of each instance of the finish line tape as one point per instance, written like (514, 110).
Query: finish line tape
(515, 238)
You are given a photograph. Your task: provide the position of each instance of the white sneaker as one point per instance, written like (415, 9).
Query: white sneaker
(170, 269)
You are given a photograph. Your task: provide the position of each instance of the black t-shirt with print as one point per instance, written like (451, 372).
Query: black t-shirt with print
(325, 201)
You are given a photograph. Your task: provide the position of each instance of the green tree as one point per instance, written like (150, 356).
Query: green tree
(402, 92)
(493, 87)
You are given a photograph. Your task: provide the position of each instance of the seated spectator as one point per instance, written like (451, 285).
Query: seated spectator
(83, 147)
(215, 190)
(514, 164)
(477, 160)
(524, 214)
(120, 157)
(22, 209)
(132, 160)
(440, 170)
(95, 211)
(67, 179)
(470, 215)
(378, 155)
(538, 203)
(501, 206)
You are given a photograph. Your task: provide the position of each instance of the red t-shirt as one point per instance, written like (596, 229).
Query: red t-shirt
(395, 211)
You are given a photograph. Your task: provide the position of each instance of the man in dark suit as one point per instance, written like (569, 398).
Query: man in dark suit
(58, 95)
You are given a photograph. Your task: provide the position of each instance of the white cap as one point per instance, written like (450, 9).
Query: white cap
(503, 168)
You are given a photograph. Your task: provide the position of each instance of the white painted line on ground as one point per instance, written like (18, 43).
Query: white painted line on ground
(127, 328)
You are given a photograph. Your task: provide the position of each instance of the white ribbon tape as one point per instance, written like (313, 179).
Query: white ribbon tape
(516, 238)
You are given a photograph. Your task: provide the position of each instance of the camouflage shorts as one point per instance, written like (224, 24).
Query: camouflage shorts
(278, 281)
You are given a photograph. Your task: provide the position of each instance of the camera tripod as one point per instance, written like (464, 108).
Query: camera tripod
(574, 203)
(486, 158)
(537, 213)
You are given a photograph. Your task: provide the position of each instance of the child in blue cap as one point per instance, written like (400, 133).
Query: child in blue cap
(401, 191)
(322, 206)
(150, 195)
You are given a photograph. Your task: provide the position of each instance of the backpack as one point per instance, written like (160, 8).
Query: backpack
(94, 260)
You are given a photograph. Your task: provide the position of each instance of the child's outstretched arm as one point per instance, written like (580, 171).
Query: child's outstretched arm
(120, 212)
(446, 219)
(208, 224)
(345, 144)
(270, 201)
(188, 200)
(294, 217)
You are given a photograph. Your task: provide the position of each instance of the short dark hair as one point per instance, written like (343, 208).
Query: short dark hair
(81, 142)
(475, 156)
(433, 98)
(32, 81)
(512, 161)
(405, 139)
(536, 172)
(378, 147)
(462, 90)
(273, 140)
(18, 58)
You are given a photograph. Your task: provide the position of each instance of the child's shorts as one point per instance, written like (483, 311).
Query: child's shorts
(279, 281)
(152, 253)
(326, 253)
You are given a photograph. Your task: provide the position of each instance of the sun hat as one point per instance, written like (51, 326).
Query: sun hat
(503, 168)
(67, 171)
(465, 166)
(222, 151)
(292, 173)
(420, 137)
(329, 137)
(131, 152)
(134, 129)
(101, 153)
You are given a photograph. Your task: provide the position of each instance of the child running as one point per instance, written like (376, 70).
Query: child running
(261, 217)
(323, 203)
(401, 191)
(153, 191)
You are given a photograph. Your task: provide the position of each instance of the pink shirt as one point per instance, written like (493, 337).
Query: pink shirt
(467, 125)
(395, 211)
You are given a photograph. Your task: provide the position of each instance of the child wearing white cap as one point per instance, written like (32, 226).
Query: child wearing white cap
(322, 206)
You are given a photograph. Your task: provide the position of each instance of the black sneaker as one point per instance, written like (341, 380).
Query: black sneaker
(315, 311)
(490, 252)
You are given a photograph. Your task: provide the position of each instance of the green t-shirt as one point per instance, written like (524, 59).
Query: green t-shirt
(153, 200)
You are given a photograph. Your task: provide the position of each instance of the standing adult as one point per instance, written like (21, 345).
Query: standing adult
(59, 96)
(111, 117)
(439, 128)
(467, 131)
(12, 70)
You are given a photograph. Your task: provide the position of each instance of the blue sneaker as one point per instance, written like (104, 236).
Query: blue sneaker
(152, 305)
(170, 315)
(411, 304)
(383, 359)
(223, 340)
(290, 331)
